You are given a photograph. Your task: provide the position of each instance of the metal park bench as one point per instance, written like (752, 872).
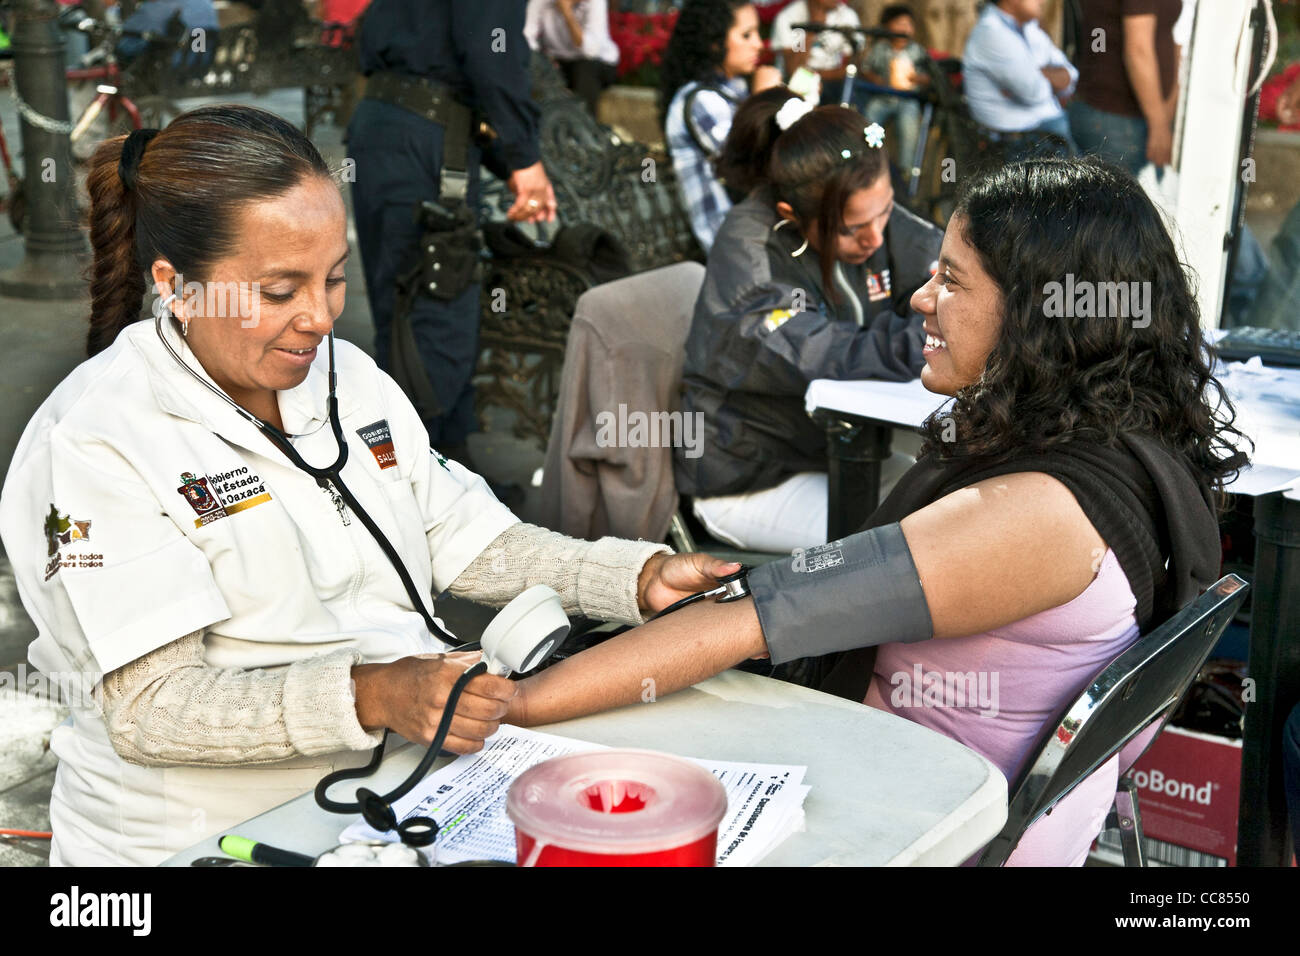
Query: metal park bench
(528, 303)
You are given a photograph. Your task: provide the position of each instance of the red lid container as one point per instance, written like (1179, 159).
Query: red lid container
(616, 808)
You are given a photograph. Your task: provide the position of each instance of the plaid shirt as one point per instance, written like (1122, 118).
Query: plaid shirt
(711, 114)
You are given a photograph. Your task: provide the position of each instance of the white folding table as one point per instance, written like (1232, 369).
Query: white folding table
(885, 791)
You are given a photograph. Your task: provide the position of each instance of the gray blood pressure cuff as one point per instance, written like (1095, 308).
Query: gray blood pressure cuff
(856, 592)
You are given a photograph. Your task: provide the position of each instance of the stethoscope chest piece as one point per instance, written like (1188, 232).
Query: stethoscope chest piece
(526, 632)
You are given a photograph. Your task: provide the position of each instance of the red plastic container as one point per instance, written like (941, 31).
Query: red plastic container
(616, 808)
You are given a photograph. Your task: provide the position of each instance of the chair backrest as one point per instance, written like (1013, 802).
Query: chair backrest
(622, 364)
(1134, 693)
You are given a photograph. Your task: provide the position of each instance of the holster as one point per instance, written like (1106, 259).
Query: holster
(449, 262)
(450, 250)
(451, 242)
(449, 259)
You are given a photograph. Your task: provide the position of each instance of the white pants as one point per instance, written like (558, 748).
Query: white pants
(788, 516)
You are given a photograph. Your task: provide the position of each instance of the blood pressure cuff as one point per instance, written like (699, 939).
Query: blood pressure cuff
(856, 592)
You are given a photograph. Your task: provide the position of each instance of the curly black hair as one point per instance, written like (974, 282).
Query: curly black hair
(697, 47)
(1055, 376)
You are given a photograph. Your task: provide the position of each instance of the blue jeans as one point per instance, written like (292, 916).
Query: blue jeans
(906, 114)
(398, 158)
(1118, 139)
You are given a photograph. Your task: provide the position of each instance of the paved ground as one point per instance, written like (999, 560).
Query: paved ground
(40, 343)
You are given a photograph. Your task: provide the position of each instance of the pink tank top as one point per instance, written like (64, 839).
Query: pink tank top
(996, 691)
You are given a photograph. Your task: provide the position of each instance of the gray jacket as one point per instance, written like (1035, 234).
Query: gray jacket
(764, 328)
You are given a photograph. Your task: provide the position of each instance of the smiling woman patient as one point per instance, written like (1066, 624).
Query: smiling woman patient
(227, 627)
(1060, 506)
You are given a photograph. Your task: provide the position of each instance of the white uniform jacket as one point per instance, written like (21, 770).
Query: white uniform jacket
(140, 507)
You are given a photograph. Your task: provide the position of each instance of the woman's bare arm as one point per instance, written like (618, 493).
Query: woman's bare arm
(996, 552)
(673, 652)
(1001, 550)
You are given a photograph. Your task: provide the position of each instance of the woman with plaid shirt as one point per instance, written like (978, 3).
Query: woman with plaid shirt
(709, 68)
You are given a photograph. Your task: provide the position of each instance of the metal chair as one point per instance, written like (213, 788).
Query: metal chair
(1136, 693)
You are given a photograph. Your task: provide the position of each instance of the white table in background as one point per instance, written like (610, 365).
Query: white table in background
(885, 791)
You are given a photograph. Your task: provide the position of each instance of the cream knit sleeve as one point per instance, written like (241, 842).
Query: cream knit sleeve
(597, 579)
(170, 709)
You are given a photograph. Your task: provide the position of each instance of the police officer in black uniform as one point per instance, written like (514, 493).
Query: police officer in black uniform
(439, 74)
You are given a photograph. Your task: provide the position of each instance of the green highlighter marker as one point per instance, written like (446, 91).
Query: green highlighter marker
(250, 851)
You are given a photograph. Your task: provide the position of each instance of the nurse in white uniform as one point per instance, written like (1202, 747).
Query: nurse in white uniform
(226, 627)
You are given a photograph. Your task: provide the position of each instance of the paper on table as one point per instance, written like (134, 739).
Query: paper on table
(898, 403)
(761, 798)
(1258, 480)
(468, 798)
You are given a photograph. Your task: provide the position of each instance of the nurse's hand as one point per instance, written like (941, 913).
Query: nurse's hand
(666, 578)
(408, 697)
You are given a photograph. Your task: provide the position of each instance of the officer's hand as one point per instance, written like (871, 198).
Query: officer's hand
(666, 578)
(408, 696)
(534, 197)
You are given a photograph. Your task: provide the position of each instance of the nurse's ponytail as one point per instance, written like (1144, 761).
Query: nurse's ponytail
(117, 283)
(177, 195)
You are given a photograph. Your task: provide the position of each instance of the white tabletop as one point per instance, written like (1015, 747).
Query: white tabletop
(885, 791)
(907, 404)
(1266, 400)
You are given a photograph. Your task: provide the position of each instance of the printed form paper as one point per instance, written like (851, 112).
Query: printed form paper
(468, 799)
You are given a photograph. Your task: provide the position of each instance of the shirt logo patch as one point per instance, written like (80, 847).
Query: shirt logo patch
(61, 530)
(878, 285)
(379, 440)
(777, 318)
(218, 496)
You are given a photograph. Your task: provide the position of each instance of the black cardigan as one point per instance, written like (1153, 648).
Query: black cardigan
(1142, 498)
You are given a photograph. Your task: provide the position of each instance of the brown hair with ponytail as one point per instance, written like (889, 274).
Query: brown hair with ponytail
(805, 165)
(180, 200)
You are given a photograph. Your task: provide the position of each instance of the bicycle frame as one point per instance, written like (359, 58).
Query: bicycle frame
(108, 96)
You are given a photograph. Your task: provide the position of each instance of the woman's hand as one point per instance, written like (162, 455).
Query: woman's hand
(666, 578)
(1160, 145)
(408, 697)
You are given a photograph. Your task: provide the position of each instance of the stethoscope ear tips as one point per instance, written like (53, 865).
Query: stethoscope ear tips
(525, 632)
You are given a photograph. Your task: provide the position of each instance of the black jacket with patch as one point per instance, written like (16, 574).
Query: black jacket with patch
(764, 328)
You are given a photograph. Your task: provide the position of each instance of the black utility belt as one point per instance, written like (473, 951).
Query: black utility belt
(423, 97)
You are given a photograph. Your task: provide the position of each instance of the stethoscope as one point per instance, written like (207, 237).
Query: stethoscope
(522, 636)
(377, 810)
(330, 477)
